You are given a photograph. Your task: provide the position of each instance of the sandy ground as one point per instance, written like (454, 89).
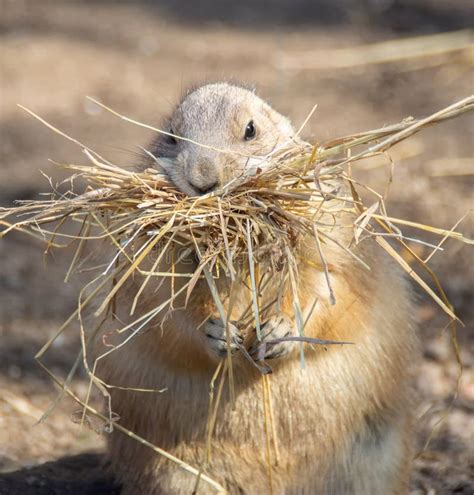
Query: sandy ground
(138, 57)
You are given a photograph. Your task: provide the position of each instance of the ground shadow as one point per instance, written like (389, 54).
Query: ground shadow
(83, 474)
(398, 15)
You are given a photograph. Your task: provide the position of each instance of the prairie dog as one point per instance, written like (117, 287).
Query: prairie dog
(343, 423)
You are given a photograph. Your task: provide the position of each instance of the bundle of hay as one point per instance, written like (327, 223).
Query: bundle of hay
(290, 195)
(297, 191)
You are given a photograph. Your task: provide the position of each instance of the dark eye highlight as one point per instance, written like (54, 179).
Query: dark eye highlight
(171, 139)
(250, 131)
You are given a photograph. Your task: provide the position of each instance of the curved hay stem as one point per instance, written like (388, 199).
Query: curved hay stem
(272, 418)
(445, 233)
(159, 131)
(209, 427)
(266, 425)
(253, 282)
(64, 135)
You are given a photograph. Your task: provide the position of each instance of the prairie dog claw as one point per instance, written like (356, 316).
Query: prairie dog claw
(276, 327)
(215, 333)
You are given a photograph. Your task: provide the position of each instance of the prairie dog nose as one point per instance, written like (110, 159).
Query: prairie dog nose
(203, 176)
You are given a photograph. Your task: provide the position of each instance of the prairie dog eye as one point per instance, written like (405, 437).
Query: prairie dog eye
(250, 131)
(171, 139)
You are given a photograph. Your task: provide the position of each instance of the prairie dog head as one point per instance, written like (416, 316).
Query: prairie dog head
(234, 126)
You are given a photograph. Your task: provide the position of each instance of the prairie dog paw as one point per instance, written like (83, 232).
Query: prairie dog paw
(216, 337)
(270, 347)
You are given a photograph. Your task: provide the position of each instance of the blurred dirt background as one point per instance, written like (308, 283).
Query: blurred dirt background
(138, 57)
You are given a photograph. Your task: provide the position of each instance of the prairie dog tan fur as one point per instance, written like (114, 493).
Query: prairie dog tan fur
(343, 422)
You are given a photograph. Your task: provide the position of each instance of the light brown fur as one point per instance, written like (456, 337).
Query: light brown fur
(343, 422)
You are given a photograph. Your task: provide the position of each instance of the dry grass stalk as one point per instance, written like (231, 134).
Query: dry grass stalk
(401, 50)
